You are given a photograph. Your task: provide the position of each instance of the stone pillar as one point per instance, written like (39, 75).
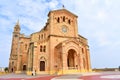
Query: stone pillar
(51, 58)
(81, 65)
(18, 59)
(35, 56)
(79, 62)
(65, 67)
(89, 63)
(30, 60)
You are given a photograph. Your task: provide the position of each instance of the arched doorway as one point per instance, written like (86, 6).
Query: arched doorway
(42, 65)
(24, 67)
(71, 58)
(12, 70)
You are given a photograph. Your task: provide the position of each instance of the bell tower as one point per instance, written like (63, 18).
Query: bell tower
(63, 23)
(14, 48)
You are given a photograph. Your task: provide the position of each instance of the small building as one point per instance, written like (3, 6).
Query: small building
(55, 49)
(2, 69)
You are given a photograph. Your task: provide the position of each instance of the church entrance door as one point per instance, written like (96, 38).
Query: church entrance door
(24, 67)
(12, 69)
(42, 65)
(71, 58)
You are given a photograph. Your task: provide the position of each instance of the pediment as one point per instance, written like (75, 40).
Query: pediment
(71, 41)
(67, 42)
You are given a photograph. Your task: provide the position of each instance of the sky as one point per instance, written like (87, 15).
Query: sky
(98, 21)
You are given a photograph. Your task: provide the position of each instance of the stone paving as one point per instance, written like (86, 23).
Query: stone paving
(102, 76)
(12, 75)
(68, 77)
(79, 76)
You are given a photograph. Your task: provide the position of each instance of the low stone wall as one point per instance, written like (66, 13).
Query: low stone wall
(105, 69)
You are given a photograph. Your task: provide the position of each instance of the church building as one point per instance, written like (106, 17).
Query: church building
(55, 49)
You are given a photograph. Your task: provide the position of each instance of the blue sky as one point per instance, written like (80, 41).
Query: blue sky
(98, 21)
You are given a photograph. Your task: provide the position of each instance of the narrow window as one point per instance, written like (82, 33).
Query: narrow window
(42, 36)
(69, 21)
(58, 20)
(44, 49)
(40, 48)
(63, 18)
(82, 50)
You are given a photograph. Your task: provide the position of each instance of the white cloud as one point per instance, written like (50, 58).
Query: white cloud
(93, 2)
(108, 2)
(102, 38)
(102, 16)
(53, 4)
(33, 25)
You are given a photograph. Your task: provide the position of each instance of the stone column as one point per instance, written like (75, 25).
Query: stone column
(28, 62)
(64, 62)
(18, 58)
(51, 57)
(89, 63)
(29, 67)
(81, 61)
(35, 56)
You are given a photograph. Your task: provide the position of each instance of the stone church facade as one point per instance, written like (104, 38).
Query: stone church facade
(56, 49)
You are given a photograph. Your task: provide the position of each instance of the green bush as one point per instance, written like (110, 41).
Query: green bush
(6, 69)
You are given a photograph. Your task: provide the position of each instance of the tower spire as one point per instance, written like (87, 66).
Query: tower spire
(17, 22)
(17, 26)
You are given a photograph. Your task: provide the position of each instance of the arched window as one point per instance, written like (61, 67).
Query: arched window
(58, 20)
(63, 18)
(42, 36)
(40, 48)
(44, 49)
(69, 21)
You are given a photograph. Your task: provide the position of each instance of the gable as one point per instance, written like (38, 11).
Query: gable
(63, 11)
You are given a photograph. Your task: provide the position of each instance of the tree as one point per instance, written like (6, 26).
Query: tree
(6, 69)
